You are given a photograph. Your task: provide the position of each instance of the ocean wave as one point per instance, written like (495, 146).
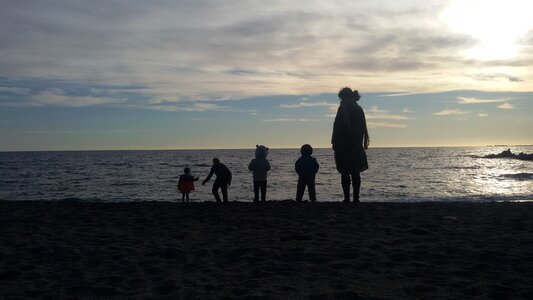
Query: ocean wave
(462, 168)
(124, 184)
(193, 165)
(518, 176)
(70, 199)
(119, 164)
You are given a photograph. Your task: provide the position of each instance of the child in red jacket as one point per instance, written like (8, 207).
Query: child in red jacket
(186, 184)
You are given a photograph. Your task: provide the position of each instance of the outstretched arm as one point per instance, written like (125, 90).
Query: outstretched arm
(208, 177)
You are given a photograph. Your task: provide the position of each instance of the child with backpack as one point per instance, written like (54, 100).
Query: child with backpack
(306, 166)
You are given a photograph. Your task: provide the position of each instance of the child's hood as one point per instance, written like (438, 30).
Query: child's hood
(261, 152)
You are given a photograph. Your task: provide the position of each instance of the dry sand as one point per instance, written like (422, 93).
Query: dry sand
(58, 250)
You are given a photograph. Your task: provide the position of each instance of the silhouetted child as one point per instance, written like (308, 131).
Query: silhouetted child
(260, 167)
(306, 166)
(222, 181)
(186, 184)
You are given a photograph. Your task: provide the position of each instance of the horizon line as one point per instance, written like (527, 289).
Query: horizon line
(246, 148)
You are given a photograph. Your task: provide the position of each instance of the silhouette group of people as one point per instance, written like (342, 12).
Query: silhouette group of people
(349, 140)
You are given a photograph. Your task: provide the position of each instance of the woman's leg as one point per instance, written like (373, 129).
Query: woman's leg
(356, 183)
(345, 182)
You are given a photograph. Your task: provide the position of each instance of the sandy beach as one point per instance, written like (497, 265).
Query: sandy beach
(59, 250)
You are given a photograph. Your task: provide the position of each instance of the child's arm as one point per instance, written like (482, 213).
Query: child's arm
(267, 167)
(251, 166)
(316, 166)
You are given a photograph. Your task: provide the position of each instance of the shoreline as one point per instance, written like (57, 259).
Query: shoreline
(279, 249)
(193, 201)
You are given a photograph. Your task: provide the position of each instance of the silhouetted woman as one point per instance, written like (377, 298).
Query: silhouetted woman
(350, 139)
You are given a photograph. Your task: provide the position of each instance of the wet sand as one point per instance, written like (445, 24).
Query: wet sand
(58, 250)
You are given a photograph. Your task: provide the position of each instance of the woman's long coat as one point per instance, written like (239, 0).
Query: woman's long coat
(349, 132)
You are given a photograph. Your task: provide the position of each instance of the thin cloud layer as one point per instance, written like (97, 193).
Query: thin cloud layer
(206, 50)
(291, 120)
(386, 117)
(468, 100)
(506, 106)
(450, 112)
(309, 104)
(386, 125)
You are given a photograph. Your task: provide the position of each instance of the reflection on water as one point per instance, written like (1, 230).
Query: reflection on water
(395, 174)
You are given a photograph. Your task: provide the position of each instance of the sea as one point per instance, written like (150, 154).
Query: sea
(394, 175)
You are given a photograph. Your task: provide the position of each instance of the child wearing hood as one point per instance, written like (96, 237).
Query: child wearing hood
(260, 167)
(306, 167)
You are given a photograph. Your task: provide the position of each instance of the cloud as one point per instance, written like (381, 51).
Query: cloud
(309, 104)
(467, 100)
(194, 107)
(506, 106)
(495, 77)
(376, 110)
(376, 113)
(57, 97)
(31, 93)
(296, 47)
(15, 90)
(450, 112)
(208, 106)
(407, 110)
(482, 115)
(386, 125)
(386, 117)
(400, 94)
(290, 120)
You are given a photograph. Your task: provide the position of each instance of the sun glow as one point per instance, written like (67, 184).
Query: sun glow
(496, 24)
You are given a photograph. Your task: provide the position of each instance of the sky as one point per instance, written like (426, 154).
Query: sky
(162, 74)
